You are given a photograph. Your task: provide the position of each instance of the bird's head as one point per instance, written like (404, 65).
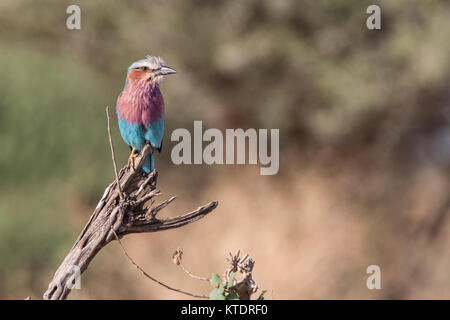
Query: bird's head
(150, 69)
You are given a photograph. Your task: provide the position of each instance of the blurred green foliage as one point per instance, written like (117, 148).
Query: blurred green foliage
(41, 155)
(310, 68)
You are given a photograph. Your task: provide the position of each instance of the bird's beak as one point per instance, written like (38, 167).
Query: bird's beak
(164, 70)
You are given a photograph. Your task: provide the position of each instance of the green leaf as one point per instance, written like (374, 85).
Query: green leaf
(261, 295)
(217, 294)
(216, 281)
(232, 296)
(230, 280)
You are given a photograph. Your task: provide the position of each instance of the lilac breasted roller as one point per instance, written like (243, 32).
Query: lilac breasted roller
(140, 108)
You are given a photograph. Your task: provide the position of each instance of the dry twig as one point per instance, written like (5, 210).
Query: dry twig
(152, 278)
(113, 155)
(177, 258)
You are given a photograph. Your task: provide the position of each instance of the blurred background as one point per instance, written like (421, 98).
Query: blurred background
(364, 119)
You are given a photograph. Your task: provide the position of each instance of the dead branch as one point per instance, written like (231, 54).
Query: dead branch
(114, 216)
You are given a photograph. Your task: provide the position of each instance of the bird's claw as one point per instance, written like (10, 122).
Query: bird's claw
(133, 155)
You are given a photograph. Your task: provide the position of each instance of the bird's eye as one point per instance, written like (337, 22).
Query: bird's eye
(144, 68)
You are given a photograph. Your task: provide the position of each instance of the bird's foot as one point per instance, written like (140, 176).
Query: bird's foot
(133, 155)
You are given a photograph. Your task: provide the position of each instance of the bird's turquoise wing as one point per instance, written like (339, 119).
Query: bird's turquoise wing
(154, 132)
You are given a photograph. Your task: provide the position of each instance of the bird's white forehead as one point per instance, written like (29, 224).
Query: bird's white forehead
(149, 61)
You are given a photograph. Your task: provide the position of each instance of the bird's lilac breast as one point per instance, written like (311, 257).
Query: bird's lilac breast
(140, 103)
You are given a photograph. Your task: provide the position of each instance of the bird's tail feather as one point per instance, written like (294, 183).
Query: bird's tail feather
(148, 164)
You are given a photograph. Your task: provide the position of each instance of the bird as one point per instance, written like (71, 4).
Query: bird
(140, 108)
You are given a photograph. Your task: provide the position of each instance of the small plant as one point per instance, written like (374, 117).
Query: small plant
(221, 292)
(229, 287)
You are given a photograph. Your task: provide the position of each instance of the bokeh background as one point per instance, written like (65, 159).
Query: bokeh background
(364, 119)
